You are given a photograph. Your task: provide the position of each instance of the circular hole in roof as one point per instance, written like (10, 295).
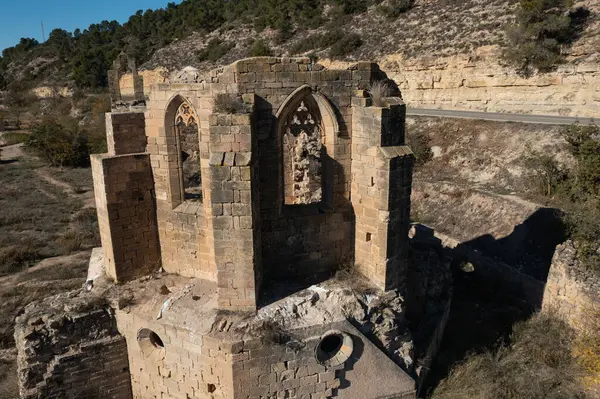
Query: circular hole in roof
(149, 341)
(334, 348)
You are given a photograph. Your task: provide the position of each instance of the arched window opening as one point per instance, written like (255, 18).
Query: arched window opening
(302, 154)
(188, 148)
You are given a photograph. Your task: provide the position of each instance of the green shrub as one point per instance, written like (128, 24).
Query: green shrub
(14, 257)
(352, 6)
(59, 144)
(579, 191)
(542, 29)
(584, 145)
(10, 138)
(394, 8)
(546, 173)
(346, 45)
(318, 41)
(260, 49)
(215, 50)
(419, 144)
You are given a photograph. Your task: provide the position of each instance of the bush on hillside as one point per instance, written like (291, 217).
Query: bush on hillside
(215, 50)
(394, 8)
(576, 191)
(536, 364)
(60, 144)
(346, 45)
(584, 145)
(318, 41)
(260, 49)
(542, 30)
(545, 173)
(419, 143)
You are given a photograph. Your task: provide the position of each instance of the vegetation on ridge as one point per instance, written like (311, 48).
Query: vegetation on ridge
(577, 190)
(542, 30)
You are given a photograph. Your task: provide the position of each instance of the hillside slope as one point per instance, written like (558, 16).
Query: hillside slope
(176, 36)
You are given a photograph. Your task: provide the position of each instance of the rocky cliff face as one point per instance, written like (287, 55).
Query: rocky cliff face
(480, 83)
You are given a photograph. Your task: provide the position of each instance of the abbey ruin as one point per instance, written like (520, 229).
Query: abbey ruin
(225, 204)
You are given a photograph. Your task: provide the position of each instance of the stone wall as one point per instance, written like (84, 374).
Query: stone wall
(184, 227)
(65, 352)
(235, 201)
(381, 186)
(243, 227)
(123, 188)
(125, 133)
(263, 368)
(313, 237)
(571, 289)
(188, 363)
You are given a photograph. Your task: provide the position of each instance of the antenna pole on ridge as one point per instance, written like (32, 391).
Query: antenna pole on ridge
(43, 33)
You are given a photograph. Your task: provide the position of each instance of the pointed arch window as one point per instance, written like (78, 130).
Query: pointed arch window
(303, 154)
(188, 148)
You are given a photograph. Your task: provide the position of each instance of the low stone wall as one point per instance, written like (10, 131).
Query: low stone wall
(66, 351)
(571, 289)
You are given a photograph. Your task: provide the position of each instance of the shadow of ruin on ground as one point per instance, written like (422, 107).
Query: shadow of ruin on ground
(497, 283)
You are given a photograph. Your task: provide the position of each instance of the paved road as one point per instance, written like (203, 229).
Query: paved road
(503, 117)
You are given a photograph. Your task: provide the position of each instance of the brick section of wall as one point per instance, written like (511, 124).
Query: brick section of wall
(234, 197)
(381, 186)
(310, 238)
(189, 366)
(79, 355)
(125, 133)
(185, 227)
(571, 289)
(123, 188)
(264, 370)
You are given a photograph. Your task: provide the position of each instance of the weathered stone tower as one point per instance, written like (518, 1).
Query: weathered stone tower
(261, 174)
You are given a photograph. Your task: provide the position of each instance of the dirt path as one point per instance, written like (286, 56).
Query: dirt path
(11, 152)
(87, 197)
(43, 174)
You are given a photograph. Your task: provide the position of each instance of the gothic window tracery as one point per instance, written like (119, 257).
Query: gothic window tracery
(302, 155)
(186, 126)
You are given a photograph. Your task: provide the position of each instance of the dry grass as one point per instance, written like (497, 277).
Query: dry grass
(349, 276)
(37, 219)
(537, 363)
(587, 348)
(40, 220)
(378, 91)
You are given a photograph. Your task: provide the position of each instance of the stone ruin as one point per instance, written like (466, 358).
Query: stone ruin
(121, 66)
(220, 229)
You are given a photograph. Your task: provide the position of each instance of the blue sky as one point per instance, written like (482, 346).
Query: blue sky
(22, 18)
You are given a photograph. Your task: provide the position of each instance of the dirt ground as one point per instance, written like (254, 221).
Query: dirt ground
(47, 229)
